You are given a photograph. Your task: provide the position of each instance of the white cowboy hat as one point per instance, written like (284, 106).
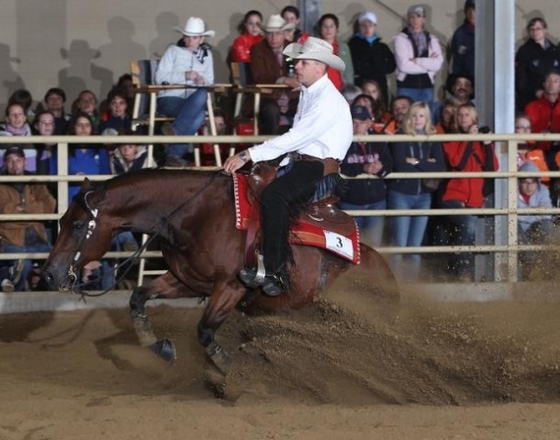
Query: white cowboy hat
(315, 49)
(276, 23)
(194, 27)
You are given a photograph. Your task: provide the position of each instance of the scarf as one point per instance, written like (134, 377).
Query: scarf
(370, 40)
(23, 131)
(420, 40)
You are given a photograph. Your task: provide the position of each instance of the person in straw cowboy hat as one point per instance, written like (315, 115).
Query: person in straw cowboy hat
(318, 141)
(192, 65)
(268, 66)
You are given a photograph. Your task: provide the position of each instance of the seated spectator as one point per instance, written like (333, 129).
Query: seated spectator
(529, 151)
(372, 88)
(460, 89)
(268, 66)
(401, 105)
(16, 125)
(327, 28)
(54, 102)
(23, 97)
(86, 102)
(293, 35)
(419, 57)
(250, 34)
(412, 157)
(462, 44)
(129, 157)
(532, 228)
(22, 236)
(372, 59)
(117, 118)
(125, 83)
(446, 119)
(44, 126)
(544, 112)
(533, 60)
(365, 194)
(192, 65)
(464, 192)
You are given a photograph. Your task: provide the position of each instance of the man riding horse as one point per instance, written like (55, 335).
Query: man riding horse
(317, 142)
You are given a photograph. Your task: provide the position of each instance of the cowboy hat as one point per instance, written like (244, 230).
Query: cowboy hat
(194, 27)
(276, 23)
(315, 49)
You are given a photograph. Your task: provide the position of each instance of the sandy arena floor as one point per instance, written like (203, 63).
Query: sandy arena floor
(347, 368)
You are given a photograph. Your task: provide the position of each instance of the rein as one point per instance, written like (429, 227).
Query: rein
(93, 213)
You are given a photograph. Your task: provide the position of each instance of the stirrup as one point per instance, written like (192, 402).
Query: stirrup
(253, 278)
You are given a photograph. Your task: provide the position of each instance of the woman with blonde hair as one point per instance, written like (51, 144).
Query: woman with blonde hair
(410, 193)
(463, 192)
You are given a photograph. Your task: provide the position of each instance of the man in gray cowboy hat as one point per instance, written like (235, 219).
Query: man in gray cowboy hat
(269, 66)
(319, 140)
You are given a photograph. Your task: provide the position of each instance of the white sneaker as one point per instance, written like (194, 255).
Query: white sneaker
(7, 286)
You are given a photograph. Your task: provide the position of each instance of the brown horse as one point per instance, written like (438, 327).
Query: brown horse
(192, 215)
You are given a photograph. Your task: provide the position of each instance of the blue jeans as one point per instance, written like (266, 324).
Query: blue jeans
(371, 227)
(425, 95)
(27, 265)
(408, 230)
(189, 115)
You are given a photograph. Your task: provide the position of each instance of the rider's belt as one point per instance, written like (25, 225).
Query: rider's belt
(330, 165)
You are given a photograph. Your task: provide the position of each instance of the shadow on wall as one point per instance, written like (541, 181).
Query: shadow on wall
(73, 79)
(166, 22)
(116, 55)
(10, 79)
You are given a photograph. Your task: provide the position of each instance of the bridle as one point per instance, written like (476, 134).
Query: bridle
(93, 214)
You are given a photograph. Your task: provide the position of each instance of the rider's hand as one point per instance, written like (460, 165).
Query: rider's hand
(233, 163)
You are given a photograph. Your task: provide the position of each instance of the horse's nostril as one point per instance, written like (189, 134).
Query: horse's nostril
(48, 277)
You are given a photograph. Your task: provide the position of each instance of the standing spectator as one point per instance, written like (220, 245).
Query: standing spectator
(533, 60)
(460, 90)
(293, 35)
(462, 44)
(250, 34)
(191, 65)
(22, 236)
(544, 112)
(418, 56)
(465, 193)
(268, 66)
(381, 116)
(327, 27)
(532, 228)
(366, 158)
(54, 102)
(412, 157)
(371, 58)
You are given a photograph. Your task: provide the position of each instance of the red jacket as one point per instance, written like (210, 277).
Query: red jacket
(545, 117)
(468, 190)
(241, 49)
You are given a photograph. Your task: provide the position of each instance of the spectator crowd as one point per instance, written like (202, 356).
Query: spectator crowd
(414, 55)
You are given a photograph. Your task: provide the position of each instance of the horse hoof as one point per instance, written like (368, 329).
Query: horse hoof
(165, 349)
(219, 357)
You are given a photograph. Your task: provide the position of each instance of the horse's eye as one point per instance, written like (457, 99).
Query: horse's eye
(78, 225)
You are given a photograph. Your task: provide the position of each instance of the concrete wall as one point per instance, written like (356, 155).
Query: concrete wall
(77, 44)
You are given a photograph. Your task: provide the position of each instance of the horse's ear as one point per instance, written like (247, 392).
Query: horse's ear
(86, 185)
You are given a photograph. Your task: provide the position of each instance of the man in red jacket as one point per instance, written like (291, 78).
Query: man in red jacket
(544, 112)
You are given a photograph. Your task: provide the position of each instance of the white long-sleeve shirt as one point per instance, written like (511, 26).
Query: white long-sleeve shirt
(322, 126)
(173, 65)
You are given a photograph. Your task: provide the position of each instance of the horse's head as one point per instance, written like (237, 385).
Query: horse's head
(84, 236)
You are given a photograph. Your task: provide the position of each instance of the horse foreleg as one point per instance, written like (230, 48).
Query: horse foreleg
(167, 287)
(223, 300)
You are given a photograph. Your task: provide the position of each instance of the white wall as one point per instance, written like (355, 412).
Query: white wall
(79, 44)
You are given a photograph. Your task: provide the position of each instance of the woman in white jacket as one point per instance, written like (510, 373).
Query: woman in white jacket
(189, 63)
(418, 56)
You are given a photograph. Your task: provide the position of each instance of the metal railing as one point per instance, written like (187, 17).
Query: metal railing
(505, 241)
